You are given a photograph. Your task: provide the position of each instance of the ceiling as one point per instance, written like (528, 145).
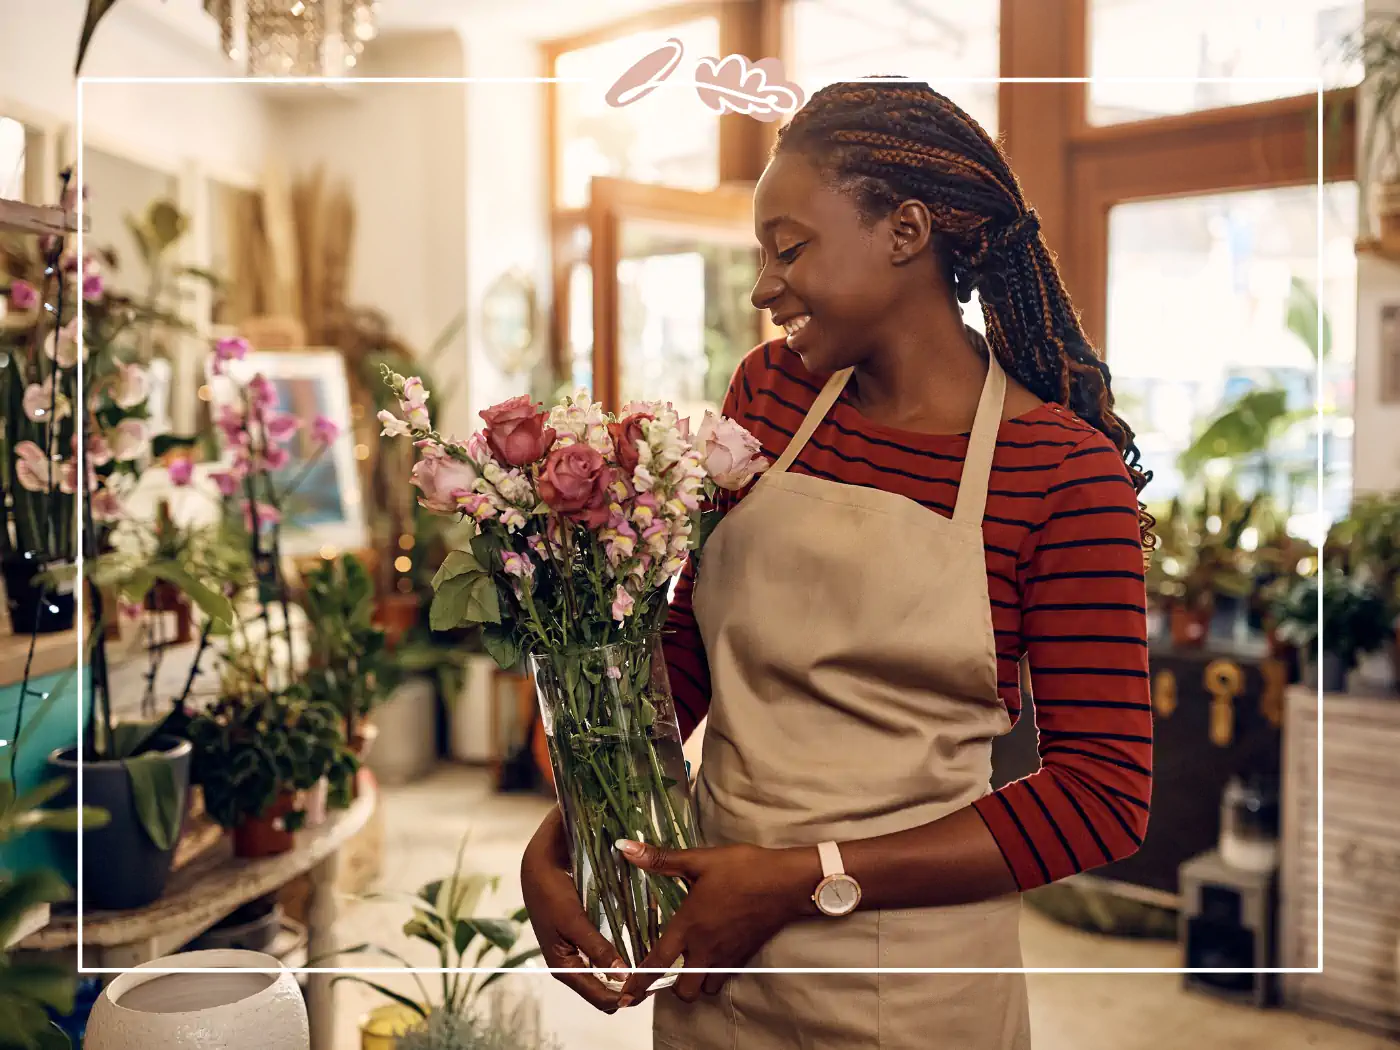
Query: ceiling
(532, 19)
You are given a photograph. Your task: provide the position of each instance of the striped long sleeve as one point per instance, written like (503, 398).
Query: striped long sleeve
(1065, 580)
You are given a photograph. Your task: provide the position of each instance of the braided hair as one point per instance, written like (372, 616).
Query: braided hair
(892, 142)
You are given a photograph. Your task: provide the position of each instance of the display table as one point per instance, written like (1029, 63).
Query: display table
(211, 886)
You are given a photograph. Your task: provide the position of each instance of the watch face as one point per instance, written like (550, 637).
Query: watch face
(839, 896)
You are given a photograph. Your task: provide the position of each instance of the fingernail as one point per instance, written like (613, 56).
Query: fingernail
(627, 846)
(624, 1002)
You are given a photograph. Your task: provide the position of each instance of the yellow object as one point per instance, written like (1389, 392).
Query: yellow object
(381, 1027)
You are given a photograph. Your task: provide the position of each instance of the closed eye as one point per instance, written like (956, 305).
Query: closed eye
(790, 255)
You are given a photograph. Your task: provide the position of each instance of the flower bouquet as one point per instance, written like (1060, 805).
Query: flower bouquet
(583, 518)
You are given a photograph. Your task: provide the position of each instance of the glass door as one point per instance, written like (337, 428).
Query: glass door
(671, 274)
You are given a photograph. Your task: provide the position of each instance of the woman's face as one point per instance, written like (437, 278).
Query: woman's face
(829, 276)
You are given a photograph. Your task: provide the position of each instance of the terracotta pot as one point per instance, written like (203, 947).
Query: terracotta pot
(1190, 626)
(396, 614)
(265, 836)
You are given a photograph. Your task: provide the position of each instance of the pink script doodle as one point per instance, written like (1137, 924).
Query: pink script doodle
(732, 84)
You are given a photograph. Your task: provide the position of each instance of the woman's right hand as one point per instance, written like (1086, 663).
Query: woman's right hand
(567, 939)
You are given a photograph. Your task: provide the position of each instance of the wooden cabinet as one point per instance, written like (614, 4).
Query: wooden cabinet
(1360, 852)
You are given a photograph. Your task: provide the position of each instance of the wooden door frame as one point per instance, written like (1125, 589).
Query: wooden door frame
(615, 201)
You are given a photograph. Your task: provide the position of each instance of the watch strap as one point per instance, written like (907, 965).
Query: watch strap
(830, 855)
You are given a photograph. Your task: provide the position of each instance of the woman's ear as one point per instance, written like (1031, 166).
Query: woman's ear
(911, 231)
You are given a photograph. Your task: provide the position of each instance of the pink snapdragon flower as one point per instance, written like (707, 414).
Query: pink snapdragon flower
(518, 565)
(623, 603)
(42, 405)
(393, 425)
(131, 386)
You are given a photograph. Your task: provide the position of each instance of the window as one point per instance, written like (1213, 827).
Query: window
(929, 40)
(11, 159)
(1207, 38)
(1242, 269)
(667, 138)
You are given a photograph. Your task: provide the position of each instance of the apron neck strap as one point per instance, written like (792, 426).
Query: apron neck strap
(981, 447)
(813, 419)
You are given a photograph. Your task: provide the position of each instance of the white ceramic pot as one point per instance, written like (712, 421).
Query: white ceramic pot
(470, 715)
(406, 747)
(253, 1004)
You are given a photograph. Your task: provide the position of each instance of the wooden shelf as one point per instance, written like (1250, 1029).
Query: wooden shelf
(18, 217)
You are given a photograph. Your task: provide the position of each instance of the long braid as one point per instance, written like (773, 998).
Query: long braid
(890, 142)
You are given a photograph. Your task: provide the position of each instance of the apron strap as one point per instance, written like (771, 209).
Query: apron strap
(981, 446)
(813, 419)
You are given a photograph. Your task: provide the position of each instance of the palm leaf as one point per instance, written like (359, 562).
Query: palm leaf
(96, 10)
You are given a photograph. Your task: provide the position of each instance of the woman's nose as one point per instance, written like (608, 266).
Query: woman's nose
(765, 291)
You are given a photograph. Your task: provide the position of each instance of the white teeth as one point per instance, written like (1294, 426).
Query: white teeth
(796, 324)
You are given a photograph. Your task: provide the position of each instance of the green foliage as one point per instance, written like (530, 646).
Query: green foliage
(1355, 619)
(444, 918)
(249, 751)
(1244, 427)
(511, 1028)
(464, 591)
(351, 669)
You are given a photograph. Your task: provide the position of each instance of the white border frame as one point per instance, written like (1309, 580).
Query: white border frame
(1316, 83)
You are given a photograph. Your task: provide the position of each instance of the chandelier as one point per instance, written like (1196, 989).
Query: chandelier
(294, 38)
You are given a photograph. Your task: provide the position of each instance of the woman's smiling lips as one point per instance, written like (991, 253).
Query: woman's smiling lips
(793, 324)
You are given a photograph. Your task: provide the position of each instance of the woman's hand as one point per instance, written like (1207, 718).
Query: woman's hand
(566, 937)
(740, 897)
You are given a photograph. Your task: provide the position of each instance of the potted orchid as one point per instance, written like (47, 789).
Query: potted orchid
(582, 520)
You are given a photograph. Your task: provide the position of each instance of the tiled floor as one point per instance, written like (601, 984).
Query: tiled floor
(424, 823)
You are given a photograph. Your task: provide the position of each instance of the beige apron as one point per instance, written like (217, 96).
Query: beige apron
(853, 665)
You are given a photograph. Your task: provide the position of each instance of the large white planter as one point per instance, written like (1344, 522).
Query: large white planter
(248, 1002)
(470, 717)
(406, 747)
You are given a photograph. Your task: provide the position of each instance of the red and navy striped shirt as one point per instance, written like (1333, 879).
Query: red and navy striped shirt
(1065, 577)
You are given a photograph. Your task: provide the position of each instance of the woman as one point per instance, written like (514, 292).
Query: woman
(942, 513)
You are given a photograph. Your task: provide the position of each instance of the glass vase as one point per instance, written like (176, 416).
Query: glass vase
(619, 773)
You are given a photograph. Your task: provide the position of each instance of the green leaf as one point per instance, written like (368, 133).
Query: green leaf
(47, 983)
(22, 894)
(499, 643)
(213, 604)
(450, 603)
(456, 564)
(502, 933)
(157, 797)
(483, 603)
(25, 1025)
(129, 737)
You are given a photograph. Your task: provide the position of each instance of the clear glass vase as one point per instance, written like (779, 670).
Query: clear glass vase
(620, 773)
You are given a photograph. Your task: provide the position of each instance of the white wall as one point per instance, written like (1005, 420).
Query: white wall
(1376, 464)
(401, 148)
(507, 206)
(223, 127)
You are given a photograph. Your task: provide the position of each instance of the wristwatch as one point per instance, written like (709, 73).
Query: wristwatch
(837, 894)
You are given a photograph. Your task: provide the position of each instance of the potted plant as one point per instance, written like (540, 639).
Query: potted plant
(349, 664)
(255, 751)
(1367, 543)
(29, 990)
(1355, 620)
(1198, 574)
(445, 922)
(1377, 46)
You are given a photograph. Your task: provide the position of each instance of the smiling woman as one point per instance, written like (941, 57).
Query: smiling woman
(945, 516)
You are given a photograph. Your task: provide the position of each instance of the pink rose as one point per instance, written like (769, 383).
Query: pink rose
(516, 433)
(626, 435)
(575, 482)
(732, 456)
(181, 471)
(23, 295)
(441, 479)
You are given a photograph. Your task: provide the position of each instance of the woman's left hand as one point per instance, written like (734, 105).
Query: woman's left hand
(739, 898)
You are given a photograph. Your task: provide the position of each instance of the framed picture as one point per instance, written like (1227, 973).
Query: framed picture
(325, 508)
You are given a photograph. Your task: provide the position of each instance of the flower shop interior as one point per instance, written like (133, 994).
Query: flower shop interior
(286, 742)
